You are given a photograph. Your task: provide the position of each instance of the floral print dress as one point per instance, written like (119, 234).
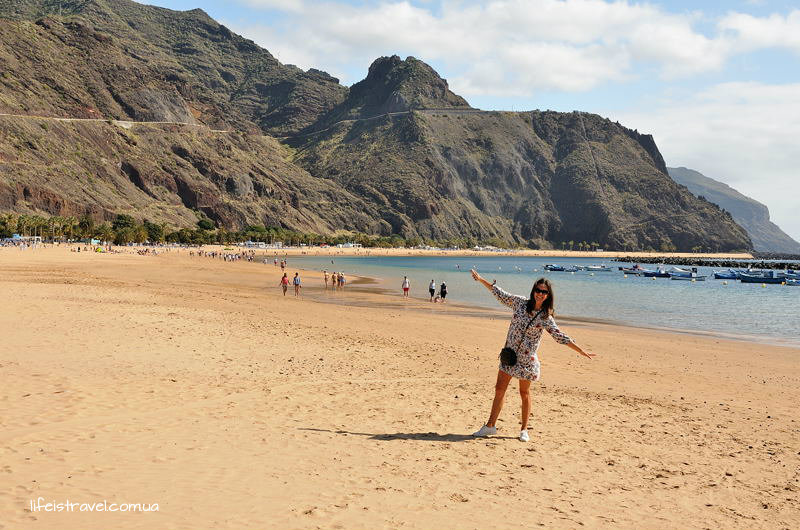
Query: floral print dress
(525, 339)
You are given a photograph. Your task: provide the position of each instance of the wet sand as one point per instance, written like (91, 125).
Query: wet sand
(193, 383)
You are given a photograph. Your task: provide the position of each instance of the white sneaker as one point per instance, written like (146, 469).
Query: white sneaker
(485, 431)
(523, 436)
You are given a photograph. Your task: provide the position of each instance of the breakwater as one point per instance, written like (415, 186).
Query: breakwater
(716, 263)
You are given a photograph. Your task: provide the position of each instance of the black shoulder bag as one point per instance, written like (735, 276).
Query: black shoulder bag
(508, 356)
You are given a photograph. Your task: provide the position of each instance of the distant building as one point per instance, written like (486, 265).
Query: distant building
(17, 239)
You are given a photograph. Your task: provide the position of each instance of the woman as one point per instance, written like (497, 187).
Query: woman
(297, 283)
(284, 283)
(531, 316)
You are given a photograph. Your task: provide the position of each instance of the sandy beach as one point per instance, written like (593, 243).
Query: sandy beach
(192, 383)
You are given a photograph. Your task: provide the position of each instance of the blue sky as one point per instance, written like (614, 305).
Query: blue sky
(716, 83)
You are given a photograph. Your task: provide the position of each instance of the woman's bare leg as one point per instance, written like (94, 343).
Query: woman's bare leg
(499, 393)
(525, 394)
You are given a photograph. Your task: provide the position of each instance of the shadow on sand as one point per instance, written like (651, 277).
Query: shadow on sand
(423, 436)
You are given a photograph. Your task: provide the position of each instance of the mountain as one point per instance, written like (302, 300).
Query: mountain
(123, 60)
(749, 213)
(248, 140)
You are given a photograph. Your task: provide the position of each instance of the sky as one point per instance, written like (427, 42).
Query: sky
(717, 83)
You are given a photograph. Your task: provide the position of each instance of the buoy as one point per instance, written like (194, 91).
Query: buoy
(653, 278)
(591, 274)
(625, 275)
(763, 285)
(725, 283)
(693, 280)
(573, 272)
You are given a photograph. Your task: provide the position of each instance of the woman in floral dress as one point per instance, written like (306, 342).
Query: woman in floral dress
(531, 316)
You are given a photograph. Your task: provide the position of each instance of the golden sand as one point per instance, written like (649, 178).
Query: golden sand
(192, 383)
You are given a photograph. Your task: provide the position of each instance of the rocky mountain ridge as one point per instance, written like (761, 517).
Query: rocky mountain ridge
(396, 153)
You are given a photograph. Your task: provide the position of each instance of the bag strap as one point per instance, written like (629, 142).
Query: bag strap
(531, 321)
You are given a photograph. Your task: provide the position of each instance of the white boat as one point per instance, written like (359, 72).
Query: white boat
(598, 268)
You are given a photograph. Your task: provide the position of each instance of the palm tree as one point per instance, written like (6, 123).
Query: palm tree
(104, 232)
(11, 221)
(71, 223)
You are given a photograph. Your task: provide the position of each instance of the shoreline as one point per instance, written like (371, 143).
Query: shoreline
(378, 286)
(362, 252)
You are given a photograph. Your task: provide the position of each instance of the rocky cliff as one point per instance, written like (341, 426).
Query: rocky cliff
(749, 213)
(395, 153)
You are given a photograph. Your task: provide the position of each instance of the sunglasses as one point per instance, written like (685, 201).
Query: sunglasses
(541, 291)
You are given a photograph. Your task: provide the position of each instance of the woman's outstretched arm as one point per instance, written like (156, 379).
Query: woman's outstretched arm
(503, 297)
(578, 349)
(562, 338)
(478, 278)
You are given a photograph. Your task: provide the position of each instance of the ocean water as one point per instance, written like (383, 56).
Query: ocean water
(737, 310)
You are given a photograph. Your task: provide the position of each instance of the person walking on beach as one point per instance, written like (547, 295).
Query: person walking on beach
(325, 273)
(296, 283)
(443, 292)
(284, 283)
(406, 286)
(432, 289)
(531, 316)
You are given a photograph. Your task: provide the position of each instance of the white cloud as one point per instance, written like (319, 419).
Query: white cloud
(568, 45)
(743, 134)
(763, 32)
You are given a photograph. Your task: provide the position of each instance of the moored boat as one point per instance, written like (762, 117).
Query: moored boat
(692, 277)
(729, 274)
(660, 273)
(598, 268)
(767, 277)
(682, 273)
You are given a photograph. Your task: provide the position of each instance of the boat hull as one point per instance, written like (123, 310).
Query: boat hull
(747, 278)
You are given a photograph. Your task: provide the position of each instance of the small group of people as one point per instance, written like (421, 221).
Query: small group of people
(296, 281)
(337, 279)
(441, 297)
(247, 255)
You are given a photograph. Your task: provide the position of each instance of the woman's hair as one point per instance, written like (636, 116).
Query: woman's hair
(548, 306)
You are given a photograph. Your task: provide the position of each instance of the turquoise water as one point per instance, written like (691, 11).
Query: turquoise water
(747, 311)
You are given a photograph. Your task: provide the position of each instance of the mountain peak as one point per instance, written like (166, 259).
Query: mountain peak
(396, 85)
